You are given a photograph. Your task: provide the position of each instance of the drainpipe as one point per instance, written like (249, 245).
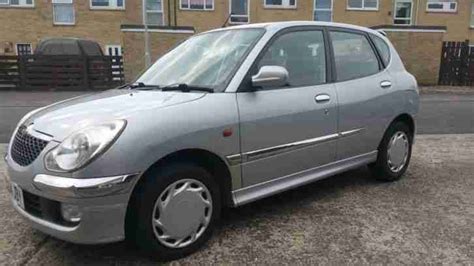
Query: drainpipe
(417, 11)
(169, 13)
(146, 36)
(175, 12)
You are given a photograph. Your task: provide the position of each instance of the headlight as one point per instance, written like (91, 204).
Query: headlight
(83, 146)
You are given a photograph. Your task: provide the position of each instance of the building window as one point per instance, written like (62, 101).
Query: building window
(23, 49)
(450, 6)
(17, 3)
(280, 3)
(113, 50)
(403, 11)
(197, 4)
(322, 10)
(154, 12)
(107, 4)
(239, 11)
(363, 4)
(63, 12)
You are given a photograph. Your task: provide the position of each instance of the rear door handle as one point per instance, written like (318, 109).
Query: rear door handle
(321, 98)
(385, 84)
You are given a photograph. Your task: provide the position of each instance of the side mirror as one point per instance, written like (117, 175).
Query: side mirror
(270, 76)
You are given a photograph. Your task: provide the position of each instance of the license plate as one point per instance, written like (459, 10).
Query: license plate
(17, 195)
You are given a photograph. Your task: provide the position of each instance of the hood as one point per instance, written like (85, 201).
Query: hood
(62, 119)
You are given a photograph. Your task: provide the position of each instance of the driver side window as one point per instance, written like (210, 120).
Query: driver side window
(302, 54)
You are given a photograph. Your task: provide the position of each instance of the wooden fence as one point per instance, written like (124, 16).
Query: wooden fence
(457, 64)
(33, 72)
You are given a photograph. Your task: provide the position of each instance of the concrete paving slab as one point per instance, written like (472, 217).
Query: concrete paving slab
(427, 217)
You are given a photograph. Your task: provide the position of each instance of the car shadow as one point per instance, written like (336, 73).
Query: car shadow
(284, 203)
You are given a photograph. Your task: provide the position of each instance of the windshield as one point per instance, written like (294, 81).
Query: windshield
(206, 60)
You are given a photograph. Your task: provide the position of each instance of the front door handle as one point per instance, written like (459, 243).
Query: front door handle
(385, 84)
(321, 98)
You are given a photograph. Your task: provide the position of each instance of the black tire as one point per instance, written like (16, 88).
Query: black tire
(381, 169)
(139, 229)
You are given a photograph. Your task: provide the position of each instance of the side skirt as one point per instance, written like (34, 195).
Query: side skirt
(252, 193)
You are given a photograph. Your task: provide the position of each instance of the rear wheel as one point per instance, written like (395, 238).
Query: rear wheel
(174, 211)
(394, 153)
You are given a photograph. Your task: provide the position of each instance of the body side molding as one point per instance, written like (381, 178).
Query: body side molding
(252, 193)
(249, 156)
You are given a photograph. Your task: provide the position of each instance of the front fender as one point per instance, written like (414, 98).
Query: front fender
(153, 135)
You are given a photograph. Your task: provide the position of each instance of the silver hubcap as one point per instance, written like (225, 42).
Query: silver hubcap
(398, 148)
(182, 213)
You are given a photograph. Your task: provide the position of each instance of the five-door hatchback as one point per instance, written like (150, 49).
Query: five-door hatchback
(226, 118)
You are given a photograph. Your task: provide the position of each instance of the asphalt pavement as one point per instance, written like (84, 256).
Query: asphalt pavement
(446, 114)
(440, 113)
(425, 218)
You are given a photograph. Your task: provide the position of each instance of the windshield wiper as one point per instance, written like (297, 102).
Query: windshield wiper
(185, 88)
(141, 85)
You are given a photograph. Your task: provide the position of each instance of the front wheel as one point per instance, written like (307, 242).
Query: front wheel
(174, 211)
(394, 153)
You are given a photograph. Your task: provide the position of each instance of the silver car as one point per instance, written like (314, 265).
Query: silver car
(227, 117)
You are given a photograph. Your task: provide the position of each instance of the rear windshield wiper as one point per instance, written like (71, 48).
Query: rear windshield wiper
(185, 88)
(141, 85)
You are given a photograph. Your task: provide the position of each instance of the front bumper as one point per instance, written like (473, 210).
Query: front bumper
(102, 202)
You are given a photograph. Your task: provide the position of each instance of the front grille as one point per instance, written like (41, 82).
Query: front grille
(26, 148)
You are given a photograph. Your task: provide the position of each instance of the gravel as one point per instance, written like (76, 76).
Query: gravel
(427, 217)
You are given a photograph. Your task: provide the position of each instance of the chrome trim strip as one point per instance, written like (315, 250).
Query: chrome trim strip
(38, 134)
(84, 187)
(252, 193)
(236, 159)
(267, 152)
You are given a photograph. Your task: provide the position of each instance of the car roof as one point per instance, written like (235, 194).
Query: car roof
(286, 24)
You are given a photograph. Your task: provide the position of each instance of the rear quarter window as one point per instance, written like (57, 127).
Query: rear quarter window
(382, 48)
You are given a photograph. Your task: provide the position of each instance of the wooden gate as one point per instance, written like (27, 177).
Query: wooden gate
(50, 72)
(457, 64)
(9, 72)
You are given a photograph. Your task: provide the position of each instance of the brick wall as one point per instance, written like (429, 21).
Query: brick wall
(29, 25)
(260, 13)
(363, 17)
(457, 23)
(420, 53)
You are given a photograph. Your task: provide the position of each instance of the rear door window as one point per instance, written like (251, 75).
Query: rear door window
(353, 55)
